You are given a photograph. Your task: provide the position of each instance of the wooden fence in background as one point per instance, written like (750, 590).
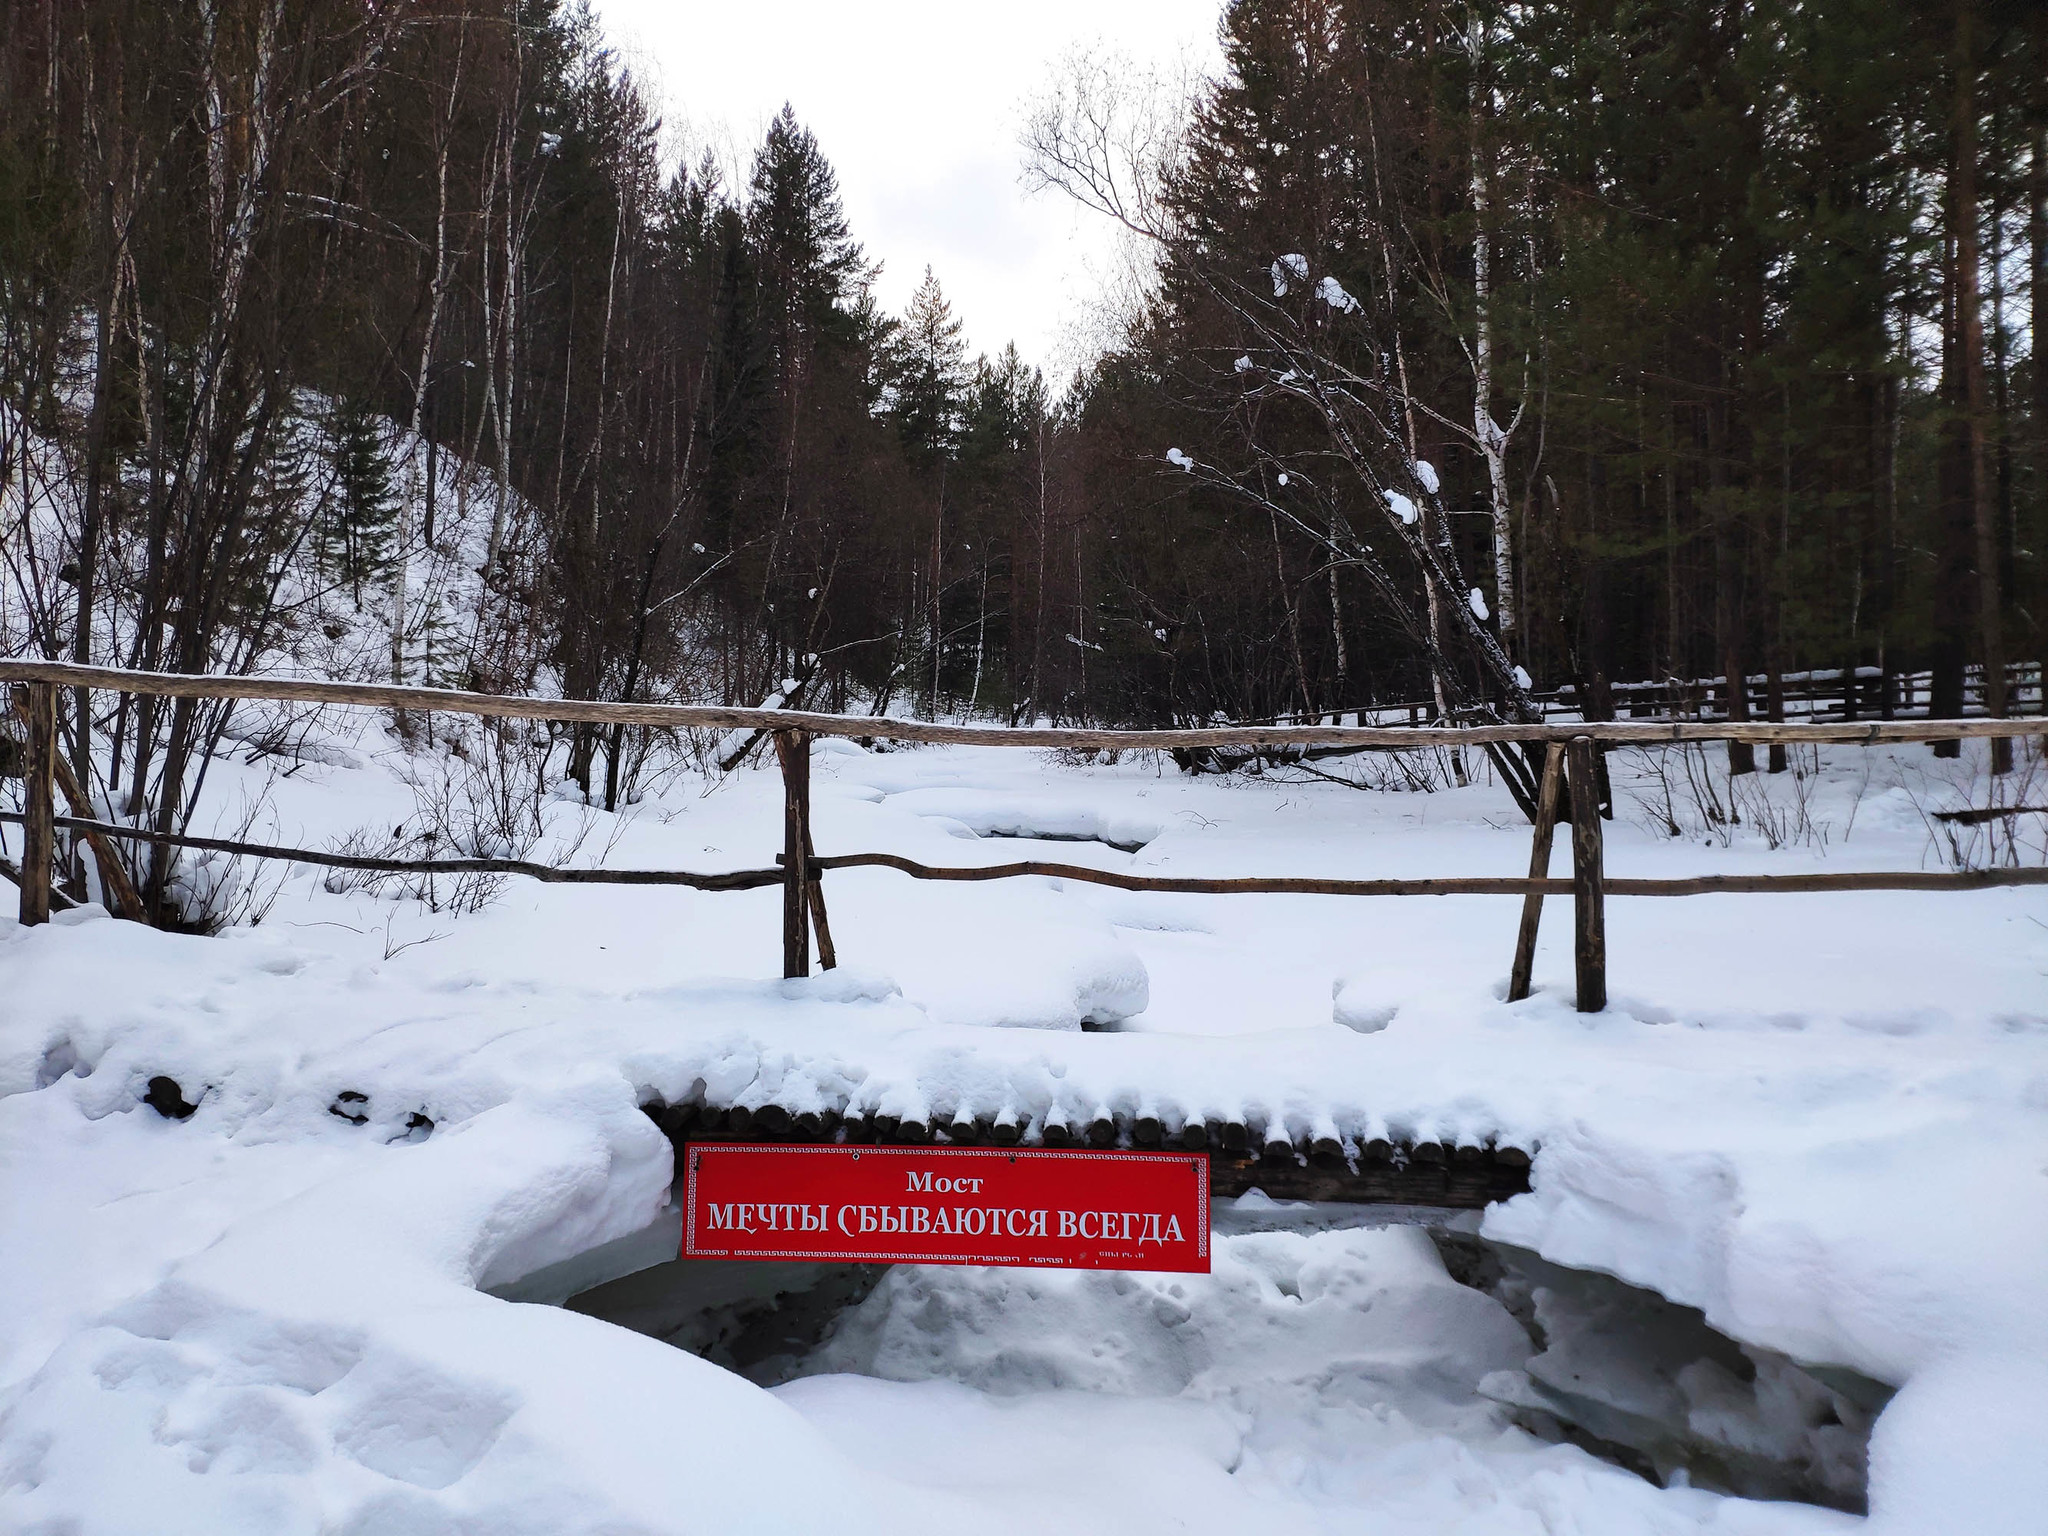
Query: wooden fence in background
(1839, 694)
(1571, 755)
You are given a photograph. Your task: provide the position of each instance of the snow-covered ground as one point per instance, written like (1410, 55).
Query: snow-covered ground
(1823, 1120)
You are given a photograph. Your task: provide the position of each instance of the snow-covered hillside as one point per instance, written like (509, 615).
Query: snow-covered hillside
(1822, 1120)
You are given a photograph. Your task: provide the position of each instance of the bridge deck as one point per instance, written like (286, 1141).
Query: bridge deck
(1460, 1175)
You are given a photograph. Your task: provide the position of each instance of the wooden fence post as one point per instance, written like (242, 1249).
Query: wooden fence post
(38, 828)
(828, 957)
(115, 885)
(1539, 869)
(793, 748)
(1589, 880)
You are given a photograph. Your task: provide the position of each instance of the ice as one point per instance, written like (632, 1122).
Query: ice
(1639, 1371)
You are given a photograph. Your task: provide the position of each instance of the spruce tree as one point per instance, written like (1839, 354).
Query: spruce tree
(930, 376)
(811, 267)
(362, 512)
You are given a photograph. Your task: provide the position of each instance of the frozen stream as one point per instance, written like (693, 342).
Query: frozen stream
(1357, 1331)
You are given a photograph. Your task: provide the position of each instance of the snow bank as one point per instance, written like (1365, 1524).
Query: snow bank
(328, 1366)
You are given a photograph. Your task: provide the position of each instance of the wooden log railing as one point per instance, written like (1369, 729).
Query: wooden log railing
(1572, 760)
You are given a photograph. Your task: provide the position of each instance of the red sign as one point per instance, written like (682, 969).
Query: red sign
(947, 1205)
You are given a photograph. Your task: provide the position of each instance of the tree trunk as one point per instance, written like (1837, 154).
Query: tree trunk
(91, 516)
(1493, 443)
(1982, 502)
(1728, 565)
(2037, 240)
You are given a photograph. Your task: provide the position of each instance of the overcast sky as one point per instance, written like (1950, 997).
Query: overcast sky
(917, 103)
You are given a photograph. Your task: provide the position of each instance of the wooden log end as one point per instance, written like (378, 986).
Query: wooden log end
(1194, 1136)
(1146, 1131)
(679, 1116)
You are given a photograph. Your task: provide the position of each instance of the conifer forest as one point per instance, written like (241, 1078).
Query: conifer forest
(1470, 352)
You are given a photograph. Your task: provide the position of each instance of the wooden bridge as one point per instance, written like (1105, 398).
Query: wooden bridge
(1242, 1153)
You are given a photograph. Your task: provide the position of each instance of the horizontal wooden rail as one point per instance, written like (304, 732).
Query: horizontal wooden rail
(736, 880)
(1455, 885)
(1197, 885)
(1846, 880)
(714, 716)
(1193, 885)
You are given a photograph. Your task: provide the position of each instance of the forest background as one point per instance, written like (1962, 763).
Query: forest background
(1465, 351)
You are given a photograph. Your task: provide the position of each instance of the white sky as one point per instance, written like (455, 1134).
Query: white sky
(917, 103)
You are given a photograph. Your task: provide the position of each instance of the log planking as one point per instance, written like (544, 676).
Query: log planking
(1462, 1175)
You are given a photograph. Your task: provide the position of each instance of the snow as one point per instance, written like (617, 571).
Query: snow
(1476, 601)
(1332, 293)
(1178, 459)
(1522, 678)
(1426, 473)
(1288, 271)
(1402, 507)
(1821, 1120)
(1243, 364)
